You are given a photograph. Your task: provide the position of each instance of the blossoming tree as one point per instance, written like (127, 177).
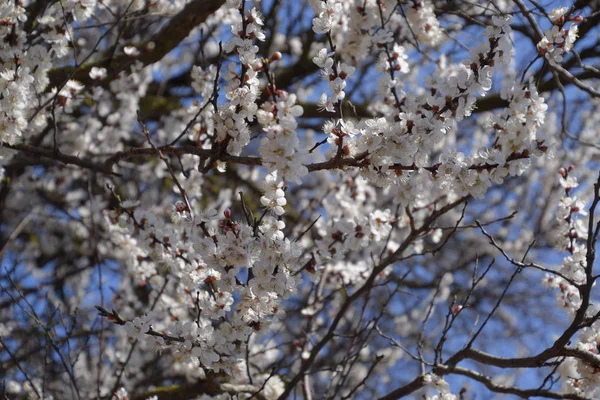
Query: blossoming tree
(235, 199)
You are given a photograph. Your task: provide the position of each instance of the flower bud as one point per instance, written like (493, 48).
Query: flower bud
(576, 18)
(275, 57)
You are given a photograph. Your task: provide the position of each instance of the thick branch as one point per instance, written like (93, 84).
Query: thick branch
(177, 29)
(210, 387)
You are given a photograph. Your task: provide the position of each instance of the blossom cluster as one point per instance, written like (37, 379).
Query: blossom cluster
(351, 234)
(24, 68)
(335, 74)
(329, 10)
(213, 261)
(401, 147)
(280, 149)
(558, 41)
(440, 386)
(570, 235)
(389, 66)
(572, 275)
(242, 90)
(424, 22)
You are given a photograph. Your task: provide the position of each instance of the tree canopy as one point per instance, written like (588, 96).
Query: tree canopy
(269, 199)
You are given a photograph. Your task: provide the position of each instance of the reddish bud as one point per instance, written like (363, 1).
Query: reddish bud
(577, 18)
(456, 309)
(227, 213)
(311, 267)
(180, 206)
(255, 326)
(337, 236)
(275, 57)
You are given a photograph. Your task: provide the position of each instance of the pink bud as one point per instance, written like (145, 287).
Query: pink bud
(571, 167)
(276, 57)
(227, 213)
(577, 18)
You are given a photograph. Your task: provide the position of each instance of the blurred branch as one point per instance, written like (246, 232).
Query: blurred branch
(209, 387)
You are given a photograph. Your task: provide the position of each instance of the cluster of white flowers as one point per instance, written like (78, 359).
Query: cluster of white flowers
(424, 22)
(579, 376)
(121, 394)
(273, 386)
(335, 74)
(274, 196)
(208, 258)
(570, 235)
(401, 147)
(388, 66)
(202, 80)
(440, 386)
(558, 41)
(15, 92)
(515, 141)
(280, 149)
(346, 238)
(242, 88)
(356, 27)
(67, 96)
(329, 10)
(24, 68)
(203, 83)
